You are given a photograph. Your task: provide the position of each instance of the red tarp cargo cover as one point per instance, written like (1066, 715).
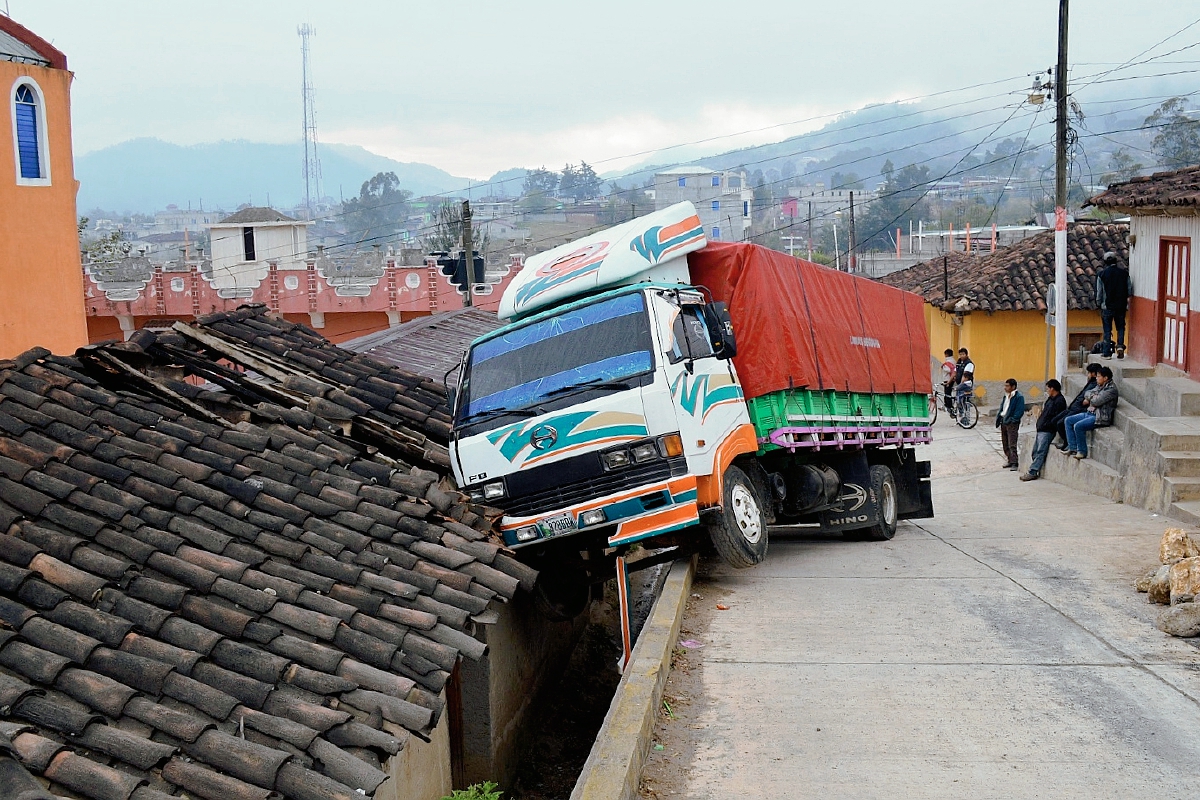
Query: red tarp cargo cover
(799, 324)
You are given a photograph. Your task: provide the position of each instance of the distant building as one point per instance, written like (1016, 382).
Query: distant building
(826, 206)
(722, 198)
(41, 282)
(178, 219)
(246, 243)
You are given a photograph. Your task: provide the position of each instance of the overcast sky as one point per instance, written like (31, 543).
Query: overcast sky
(474, 87)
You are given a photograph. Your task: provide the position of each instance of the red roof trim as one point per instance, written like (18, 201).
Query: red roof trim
(56, 57)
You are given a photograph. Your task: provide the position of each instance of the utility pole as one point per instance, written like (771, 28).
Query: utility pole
(810, 230)
(852, 261)
(468, 250)
(1060, 198)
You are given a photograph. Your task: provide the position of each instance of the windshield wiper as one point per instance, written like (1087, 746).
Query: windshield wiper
(615, 386)
(495, 412)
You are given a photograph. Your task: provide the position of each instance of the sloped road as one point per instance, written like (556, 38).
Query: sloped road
(996, 651)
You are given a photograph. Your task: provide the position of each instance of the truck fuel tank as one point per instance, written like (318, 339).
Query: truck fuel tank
(809, 487)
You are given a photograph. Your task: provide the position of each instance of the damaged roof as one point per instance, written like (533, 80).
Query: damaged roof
(1015, 278)
(1176, 191)
(252, 587)
(430, 346)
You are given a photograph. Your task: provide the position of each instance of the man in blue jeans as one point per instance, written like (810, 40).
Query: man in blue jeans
(1047, 428)
(1099, 407)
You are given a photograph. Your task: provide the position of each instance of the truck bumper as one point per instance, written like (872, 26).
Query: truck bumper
(633, 515)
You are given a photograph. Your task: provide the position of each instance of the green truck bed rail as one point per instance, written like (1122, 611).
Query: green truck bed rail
(815, 419)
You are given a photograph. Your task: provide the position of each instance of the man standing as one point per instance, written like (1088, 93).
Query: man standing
(1113, 289)
(1046, 428)
(1008, 420)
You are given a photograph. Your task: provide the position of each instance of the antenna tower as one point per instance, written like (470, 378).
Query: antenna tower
(312, 162)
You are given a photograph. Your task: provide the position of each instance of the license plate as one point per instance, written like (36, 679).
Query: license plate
(557, 525)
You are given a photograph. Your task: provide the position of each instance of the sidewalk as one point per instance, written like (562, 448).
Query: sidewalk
(996, 651)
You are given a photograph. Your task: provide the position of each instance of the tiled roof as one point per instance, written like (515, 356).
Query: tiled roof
(1015, 278)
(251, 589)
(1177, 190)
(429, 346)
(256, 214)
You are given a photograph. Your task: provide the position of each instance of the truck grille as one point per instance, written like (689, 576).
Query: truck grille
(555, 489)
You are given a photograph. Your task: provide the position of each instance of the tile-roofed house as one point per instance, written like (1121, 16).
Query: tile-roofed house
(1164, 222)
(996, 302)
(248, 216)
(1173, 192)
(429, 346)
(253, 587)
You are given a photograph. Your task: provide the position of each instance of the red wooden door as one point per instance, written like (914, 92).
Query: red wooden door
(1174, 294)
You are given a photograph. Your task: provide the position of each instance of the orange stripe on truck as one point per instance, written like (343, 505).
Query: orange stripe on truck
(709, 487)
(674, 515)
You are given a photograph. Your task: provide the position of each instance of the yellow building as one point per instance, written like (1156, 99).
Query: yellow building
(41, 281)
(994, 304)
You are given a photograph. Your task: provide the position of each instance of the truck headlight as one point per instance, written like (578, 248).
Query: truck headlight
(527, 534)
(616, 459)
(493, 491)
(593, 517)
(644, 452)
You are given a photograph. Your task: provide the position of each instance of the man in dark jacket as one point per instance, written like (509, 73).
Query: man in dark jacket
(1046, 428)
(1113, 289)
(1008, 420)
(1076, 406)
(1100, 408)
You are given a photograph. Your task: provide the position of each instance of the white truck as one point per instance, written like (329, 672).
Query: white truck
(609, 410)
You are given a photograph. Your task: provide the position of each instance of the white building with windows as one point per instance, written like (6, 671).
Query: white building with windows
(175, 218)
(723, 199)
(245, 244)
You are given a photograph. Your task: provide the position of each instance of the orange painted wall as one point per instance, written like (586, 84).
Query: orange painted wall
(41, 282)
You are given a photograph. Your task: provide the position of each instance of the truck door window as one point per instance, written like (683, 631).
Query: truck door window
(689, 336)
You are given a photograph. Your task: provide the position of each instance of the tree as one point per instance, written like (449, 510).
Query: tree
(446, 235)
(568, 181)
(847, 180)
(901, 199)
(379, 210)
(1177, 141)
(105, 248)
(1121, 166)
(540, 181)
(589, 182)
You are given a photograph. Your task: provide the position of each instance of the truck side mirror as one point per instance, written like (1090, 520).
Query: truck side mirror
(720, 330)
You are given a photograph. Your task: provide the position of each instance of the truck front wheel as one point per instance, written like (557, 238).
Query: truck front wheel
(740, 535)
(887, 501)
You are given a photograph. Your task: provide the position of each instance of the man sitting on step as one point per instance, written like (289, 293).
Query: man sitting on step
(1100, 407)
(1076, 406)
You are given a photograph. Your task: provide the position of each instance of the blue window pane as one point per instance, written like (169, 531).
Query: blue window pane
(745, 208)
(716, 233)
(683, 181)
(716, 205)
(716, 180)
(27, 137)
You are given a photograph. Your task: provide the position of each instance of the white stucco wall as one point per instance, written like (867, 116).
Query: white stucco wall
(1143, 256)
(284, 244)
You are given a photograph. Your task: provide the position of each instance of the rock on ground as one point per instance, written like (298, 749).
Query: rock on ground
(1185, 580)
(1160, 588)
(1176, 545)
(1142, 584)
(1181, 620)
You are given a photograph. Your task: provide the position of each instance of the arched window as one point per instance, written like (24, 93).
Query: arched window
(29, 134)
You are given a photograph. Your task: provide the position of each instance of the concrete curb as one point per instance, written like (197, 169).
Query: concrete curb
(614, 767)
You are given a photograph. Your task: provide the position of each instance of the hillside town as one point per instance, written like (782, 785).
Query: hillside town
(854, 454)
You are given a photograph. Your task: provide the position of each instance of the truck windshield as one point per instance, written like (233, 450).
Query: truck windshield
(605, 341)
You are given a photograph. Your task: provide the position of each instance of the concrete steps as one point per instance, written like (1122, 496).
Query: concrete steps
(1179, 463)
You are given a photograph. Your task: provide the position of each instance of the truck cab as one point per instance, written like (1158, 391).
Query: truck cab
(602, 410)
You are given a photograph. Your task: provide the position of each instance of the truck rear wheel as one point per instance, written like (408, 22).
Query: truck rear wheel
(887, 502)
(740, 535)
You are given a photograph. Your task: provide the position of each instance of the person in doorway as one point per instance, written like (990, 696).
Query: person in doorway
(1076, 406)
(1099, 407)
(1008, 420)
(1114, 287)
(1047, 428)
(948, 372)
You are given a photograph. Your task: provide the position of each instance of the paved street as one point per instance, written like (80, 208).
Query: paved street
(996, 651)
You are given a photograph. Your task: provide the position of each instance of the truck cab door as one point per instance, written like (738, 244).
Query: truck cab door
(705, 391)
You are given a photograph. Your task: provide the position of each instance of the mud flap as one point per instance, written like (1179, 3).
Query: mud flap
(913, 488)
(857, 505)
